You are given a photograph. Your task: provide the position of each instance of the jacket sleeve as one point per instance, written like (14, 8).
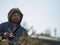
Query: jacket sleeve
(0, 29)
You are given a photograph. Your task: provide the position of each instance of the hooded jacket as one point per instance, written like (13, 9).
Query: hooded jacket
(7, 25)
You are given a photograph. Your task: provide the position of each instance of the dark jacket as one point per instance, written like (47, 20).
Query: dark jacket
(19, 29)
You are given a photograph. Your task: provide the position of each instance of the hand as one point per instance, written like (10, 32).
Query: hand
(6, 35)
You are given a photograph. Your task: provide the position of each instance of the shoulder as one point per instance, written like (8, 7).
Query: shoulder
(23, 28)
(24, 31)
(3, 24)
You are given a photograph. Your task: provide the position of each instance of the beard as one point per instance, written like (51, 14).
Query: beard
(16, 20)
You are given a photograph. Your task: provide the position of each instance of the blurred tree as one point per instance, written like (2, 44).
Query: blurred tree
(55, 31)
(47, 33)
(58, 38)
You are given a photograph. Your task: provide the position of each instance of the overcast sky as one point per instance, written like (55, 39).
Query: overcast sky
(42, 14)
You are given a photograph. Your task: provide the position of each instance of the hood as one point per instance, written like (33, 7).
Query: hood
(12, 11)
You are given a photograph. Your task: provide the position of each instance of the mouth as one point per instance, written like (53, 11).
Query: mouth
(16, 20)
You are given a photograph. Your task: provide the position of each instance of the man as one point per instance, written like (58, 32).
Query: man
(13, 25)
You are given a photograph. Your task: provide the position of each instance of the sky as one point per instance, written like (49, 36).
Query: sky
(41, 14)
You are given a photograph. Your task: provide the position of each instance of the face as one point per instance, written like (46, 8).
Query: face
(15, 17)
